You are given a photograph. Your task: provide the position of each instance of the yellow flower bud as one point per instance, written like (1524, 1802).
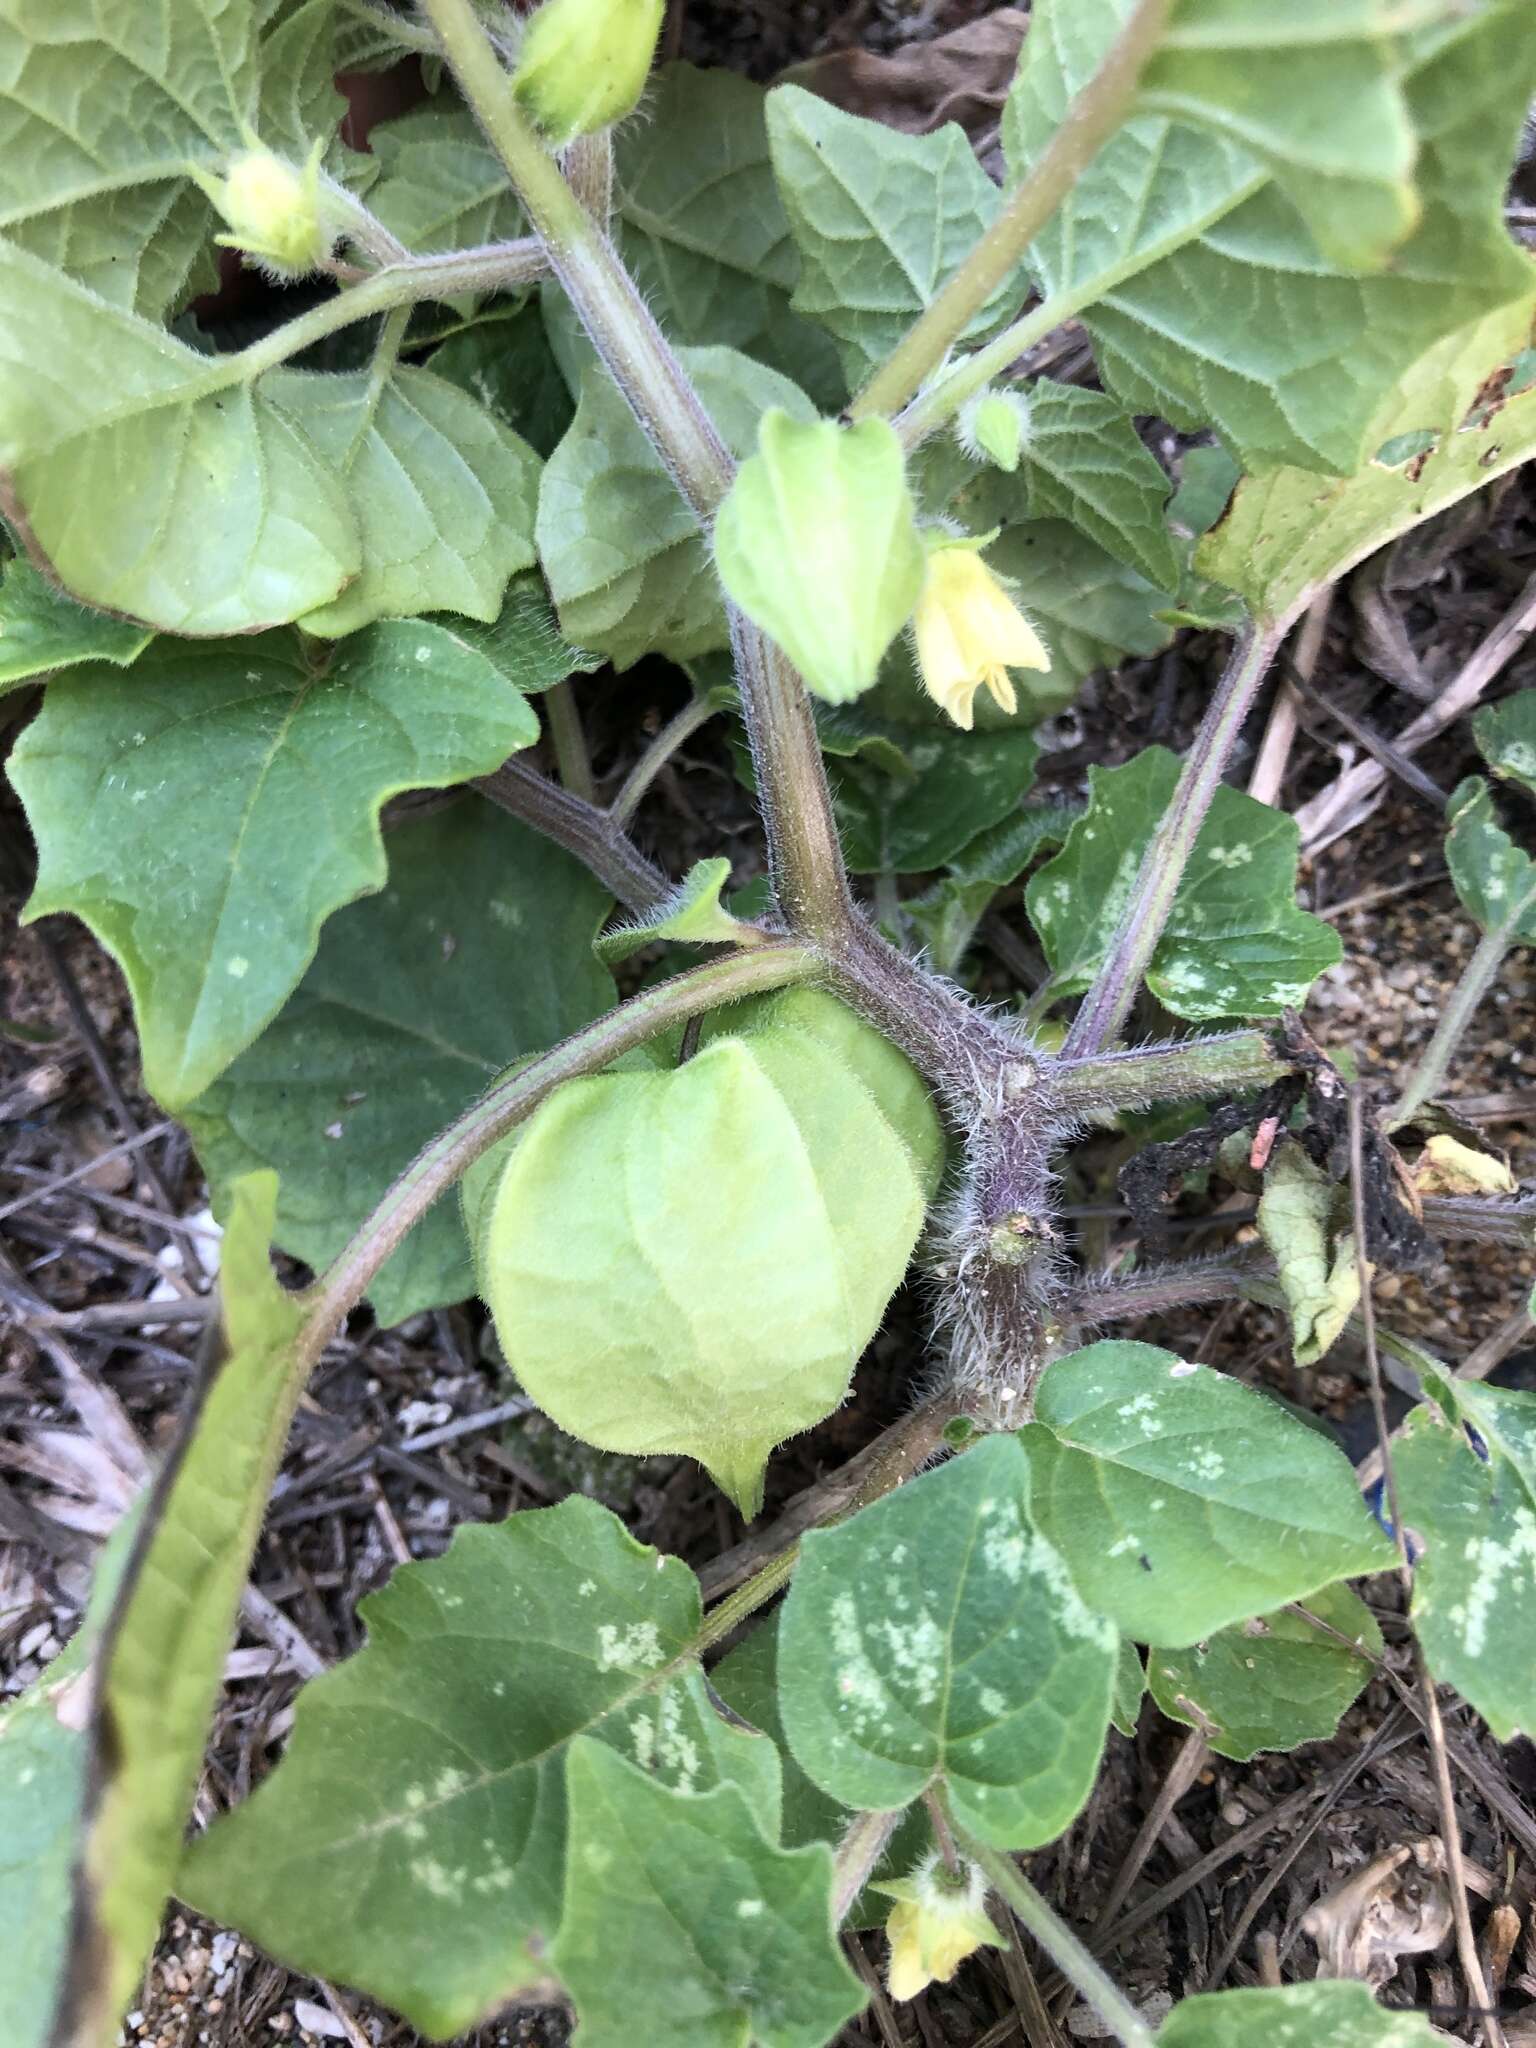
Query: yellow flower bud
(582, 64)
(273, 211)
(939, 1919)
(969, 633)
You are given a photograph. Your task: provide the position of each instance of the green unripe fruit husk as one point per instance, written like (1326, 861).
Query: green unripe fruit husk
(693, 1258)
(582, 64)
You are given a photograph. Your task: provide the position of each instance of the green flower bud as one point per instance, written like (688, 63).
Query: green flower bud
(273, 211)
(582, 64)
(994, 427)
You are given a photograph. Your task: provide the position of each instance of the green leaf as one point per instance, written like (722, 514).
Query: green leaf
(947, 914)
(747, 1680)
(682, 1923)
(1183, 1501)
(1297, 2016)
(524, 640)
(817, 543)
(1494, 878)
(1319, 1273)
(507, 363)
(648, 1218)
(1090, 609)
(246, 527)
(42, 630)
(158, 99)
(1235, 943)
(912, 791)
(168, 1629)
(478, 950)
(214, 907)
(700, 224)
(1084, 462)
(1314, 93)
(935, 1638)
(1272, 1682)
(1288, 531)
(412, 1841)
(299, 103)
(45, 1759)
(1506, 737)
(440, 184)
(1467, 1492)
(692, 915)
(1208, 298)
(284, 489)
(627, 565)
(442, 492)
(1130, 1685)
(882, 220)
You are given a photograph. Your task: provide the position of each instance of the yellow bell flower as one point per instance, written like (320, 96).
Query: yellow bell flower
(938, 1920)
(970, 632)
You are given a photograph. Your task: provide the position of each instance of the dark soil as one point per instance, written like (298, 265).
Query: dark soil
(1217, 1889)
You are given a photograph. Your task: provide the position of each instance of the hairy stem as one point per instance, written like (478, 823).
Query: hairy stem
(510, 1101)
(673, 734)
(598, 842)
(1060, 1943)
(857, 1855)
(805, 857)
(585, 261)
(1107, 1004)
(722, 1620)
(1187, 1071)
(569, 741)
(498, 266)
(1478, 977)
(1092, 117)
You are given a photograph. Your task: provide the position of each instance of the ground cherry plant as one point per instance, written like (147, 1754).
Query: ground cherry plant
(582, 362)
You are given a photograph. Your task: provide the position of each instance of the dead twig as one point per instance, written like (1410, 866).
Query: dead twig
(1450, 1832)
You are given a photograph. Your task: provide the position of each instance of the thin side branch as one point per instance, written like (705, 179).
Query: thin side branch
(601, 845)
(1063, 1947)
(453, 1151)
(805, 856)
(1107, 1004)
(1450, 1831)
(1089, 121)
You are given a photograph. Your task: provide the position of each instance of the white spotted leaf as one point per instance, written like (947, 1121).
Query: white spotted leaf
(685, 1922)
(1506, 736)
(936, 1638)
(1466, 1487)
(1182, 1500)
(214, 909)
(1273, 1681)
(1495, 878)
(1236, 943)
(1297, 2016)
(424, 1862)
